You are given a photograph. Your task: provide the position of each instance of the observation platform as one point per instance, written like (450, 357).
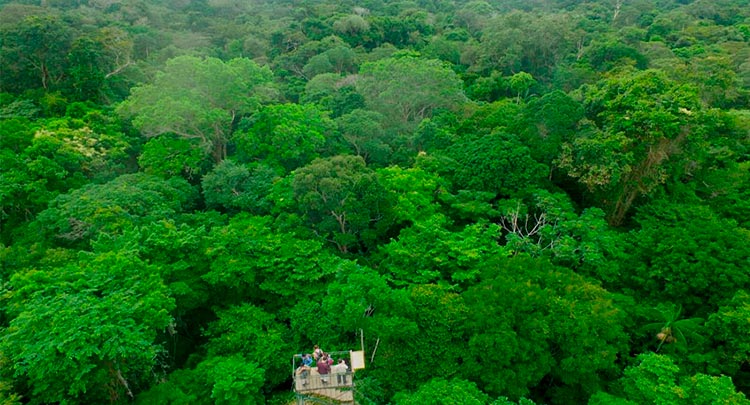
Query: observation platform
(337, 388)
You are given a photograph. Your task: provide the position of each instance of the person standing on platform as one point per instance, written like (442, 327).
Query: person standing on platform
(340, 370)
(324, 369)
(317, 353)
(303, 371)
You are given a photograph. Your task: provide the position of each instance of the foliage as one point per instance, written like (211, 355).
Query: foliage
(251, 333)
(407, 89)
(672, 255)
(285, 135)
(362, 299)
(497, 163)
(428, 252)
(728, 328)
(251, 261)
(544, 307)
(343, 200)
(200, 99)
(115, 206)
(44, 159)
(236, 187)
(655, 380)
(509, 202)
(649, 124)
(436, 348)
(169, 156)
(218, 380)
(86, 329)
(440, 391)
(34, 52)
(363, 131)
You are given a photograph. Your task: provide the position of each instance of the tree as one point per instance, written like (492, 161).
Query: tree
(527, 42)
(657, 380)
(38, 44)
(428, 252)
(40, 160)
(672, 328)
(233, 186)
(333, 93)
(248, 332)
(233, 380)
(364, 132)
(500, 117)
(521, 84)
(114, 207)
(686, 255)
(287, 136)
(611, 53)
(552, 120)
(343, 200)
(251, 260)
(415, 192)
(361, 299)
(546, 224)
(730, 331)
(646, 124)
(437, 347)
(498, 163)
(169, 156)
(216, 380)
(96, 60)
(439, 391)
(554, 326)
(85, 331)
(200, 99)
(176, 248)
(725, 187)
(339, 60)
(407, 89)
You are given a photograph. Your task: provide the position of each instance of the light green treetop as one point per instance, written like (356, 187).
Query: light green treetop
(199, 98)
(407, 89)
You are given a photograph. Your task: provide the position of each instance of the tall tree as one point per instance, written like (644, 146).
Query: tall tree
(363, 131)
(407, 89)
(646, 124)
(85, 331)
(497, 163)
(113, 207)
(553, 324)
(440, 391)
(685, 254)
(199, 98)
(38, 44)
(343, 200)
(657, 380)
(284, 135)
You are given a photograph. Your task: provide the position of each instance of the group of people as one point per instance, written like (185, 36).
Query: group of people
(325, 367)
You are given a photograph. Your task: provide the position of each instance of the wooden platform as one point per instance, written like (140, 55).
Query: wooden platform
(333, 387)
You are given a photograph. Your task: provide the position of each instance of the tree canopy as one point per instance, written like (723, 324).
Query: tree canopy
(499, 202)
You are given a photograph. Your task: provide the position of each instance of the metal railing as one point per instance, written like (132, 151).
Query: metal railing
(335, 387)
(311, 380)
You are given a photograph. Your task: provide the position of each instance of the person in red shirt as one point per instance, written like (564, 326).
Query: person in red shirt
(324, 368)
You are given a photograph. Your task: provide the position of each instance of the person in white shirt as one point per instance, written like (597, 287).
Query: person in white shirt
(340, 370)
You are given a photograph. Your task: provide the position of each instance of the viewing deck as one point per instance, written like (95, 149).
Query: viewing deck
(336, 387)
(312, 387)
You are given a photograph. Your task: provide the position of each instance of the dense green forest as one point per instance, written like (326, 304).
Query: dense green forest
(517, 201)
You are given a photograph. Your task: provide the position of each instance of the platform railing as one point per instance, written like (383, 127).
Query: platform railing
(312, 380)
